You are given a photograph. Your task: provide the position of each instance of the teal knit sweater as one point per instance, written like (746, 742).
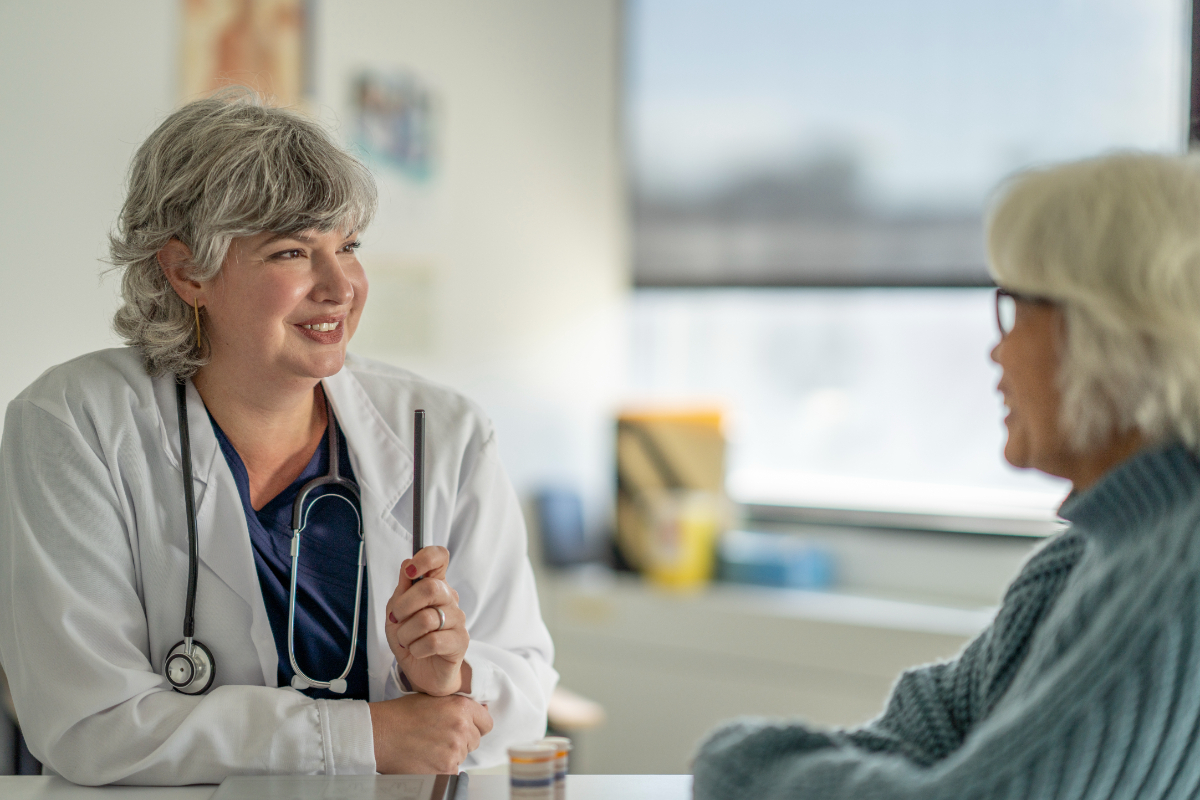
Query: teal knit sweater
(1086, 685)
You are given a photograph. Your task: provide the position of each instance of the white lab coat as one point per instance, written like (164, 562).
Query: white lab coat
(93, 571)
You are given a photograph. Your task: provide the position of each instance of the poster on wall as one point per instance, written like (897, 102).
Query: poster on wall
(256, 43)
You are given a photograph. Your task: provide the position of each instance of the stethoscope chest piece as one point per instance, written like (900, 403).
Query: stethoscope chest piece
(189, 672)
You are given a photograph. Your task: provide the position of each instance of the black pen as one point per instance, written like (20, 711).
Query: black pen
(418, 503)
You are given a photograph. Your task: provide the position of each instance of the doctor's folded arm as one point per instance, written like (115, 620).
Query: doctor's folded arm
(206, 537)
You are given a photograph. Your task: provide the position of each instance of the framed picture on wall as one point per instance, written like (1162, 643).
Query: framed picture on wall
(261, 44)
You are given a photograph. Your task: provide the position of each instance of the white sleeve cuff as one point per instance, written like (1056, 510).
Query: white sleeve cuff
(346, 737)
(397, 684)
(485, 683)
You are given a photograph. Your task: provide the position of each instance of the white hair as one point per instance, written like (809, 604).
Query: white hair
(1115, 240)
(219, 168)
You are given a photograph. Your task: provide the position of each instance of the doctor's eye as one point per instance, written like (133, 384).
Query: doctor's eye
(350, 247)
(287, 255)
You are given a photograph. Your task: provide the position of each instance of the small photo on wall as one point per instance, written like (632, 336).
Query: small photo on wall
(395, 122)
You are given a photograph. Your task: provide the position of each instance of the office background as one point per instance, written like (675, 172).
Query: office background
(533, 262)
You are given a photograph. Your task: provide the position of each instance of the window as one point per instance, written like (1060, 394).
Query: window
(804, 144)
(800, 142)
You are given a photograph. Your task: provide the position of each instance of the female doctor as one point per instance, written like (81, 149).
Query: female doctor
(241, 290)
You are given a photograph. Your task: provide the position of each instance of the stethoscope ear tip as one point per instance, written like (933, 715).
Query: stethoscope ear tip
(337, 685)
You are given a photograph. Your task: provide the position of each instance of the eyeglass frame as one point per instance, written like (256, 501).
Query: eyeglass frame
(1017, 297)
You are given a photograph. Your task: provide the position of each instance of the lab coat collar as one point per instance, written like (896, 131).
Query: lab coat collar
(383, 467)
(382, 461)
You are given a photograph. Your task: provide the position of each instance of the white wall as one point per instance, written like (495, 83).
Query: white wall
(522, 232)
(519, 241)
(80, 85)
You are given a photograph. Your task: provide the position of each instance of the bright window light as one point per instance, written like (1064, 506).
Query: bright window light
(805, 143)
(872, 399)
(813, 142)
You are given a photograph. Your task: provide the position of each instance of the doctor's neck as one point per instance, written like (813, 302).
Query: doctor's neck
(275, 434)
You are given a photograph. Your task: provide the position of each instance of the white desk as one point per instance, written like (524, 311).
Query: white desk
(481, 787)
(41, 788)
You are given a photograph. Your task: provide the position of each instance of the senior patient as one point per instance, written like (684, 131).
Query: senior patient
(1087, 684)
(241, 289)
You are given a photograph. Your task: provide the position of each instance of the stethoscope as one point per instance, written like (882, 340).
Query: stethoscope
(189, 666)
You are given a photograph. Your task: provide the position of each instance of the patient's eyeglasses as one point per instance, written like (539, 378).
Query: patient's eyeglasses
(1006, 308)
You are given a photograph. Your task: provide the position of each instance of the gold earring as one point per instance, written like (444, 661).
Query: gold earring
(196, 306)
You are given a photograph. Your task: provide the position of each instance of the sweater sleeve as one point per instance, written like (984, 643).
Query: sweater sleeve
(933, 707)
(1104, 701)
(929, 710)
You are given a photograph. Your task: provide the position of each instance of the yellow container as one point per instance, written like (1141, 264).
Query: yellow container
(681, 552)
(670, 492)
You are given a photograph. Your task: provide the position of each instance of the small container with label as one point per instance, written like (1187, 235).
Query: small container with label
(563, 744)
(531, 771)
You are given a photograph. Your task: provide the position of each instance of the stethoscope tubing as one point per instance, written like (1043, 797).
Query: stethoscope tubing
(299, 522)
(189, 497)
(362, 562)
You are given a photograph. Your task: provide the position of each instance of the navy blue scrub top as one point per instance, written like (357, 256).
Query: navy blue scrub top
(327, 573)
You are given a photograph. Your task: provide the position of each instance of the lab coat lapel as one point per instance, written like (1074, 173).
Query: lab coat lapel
(382, 464)
(224, 538)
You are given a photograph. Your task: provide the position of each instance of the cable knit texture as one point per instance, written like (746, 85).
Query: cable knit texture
(1086, 685)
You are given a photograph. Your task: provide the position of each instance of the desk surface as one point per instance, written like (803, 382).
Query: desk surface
(482, 787)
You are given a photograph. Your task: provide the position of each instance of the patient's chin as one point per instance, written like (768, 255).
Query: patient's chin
(1016, 447)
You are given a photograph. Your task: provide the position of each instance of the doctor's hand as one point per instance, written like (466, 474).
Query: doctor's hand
(422, 735)
(426, 629)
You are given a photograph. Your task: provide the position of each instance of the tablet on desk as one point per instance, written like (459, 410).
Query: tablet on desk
(343, 787)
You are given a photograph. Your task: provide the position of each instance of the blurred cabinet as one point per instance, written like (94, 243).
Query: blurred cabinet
(668, 667)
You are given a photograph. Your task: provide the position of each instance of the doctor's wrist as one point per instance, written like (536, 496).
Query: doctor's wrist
(464, 683)
(464, 677)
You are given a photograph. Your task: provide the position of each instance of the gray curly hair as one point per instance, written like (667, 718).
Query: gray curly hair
(219, 168)
(1116, 241)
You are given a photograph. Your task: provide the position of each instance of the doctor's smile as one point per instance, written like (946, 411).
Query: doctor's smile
(324, 330)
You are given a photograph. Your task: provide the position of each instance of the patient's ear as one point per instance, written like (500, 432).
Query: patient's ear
(175, 258)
